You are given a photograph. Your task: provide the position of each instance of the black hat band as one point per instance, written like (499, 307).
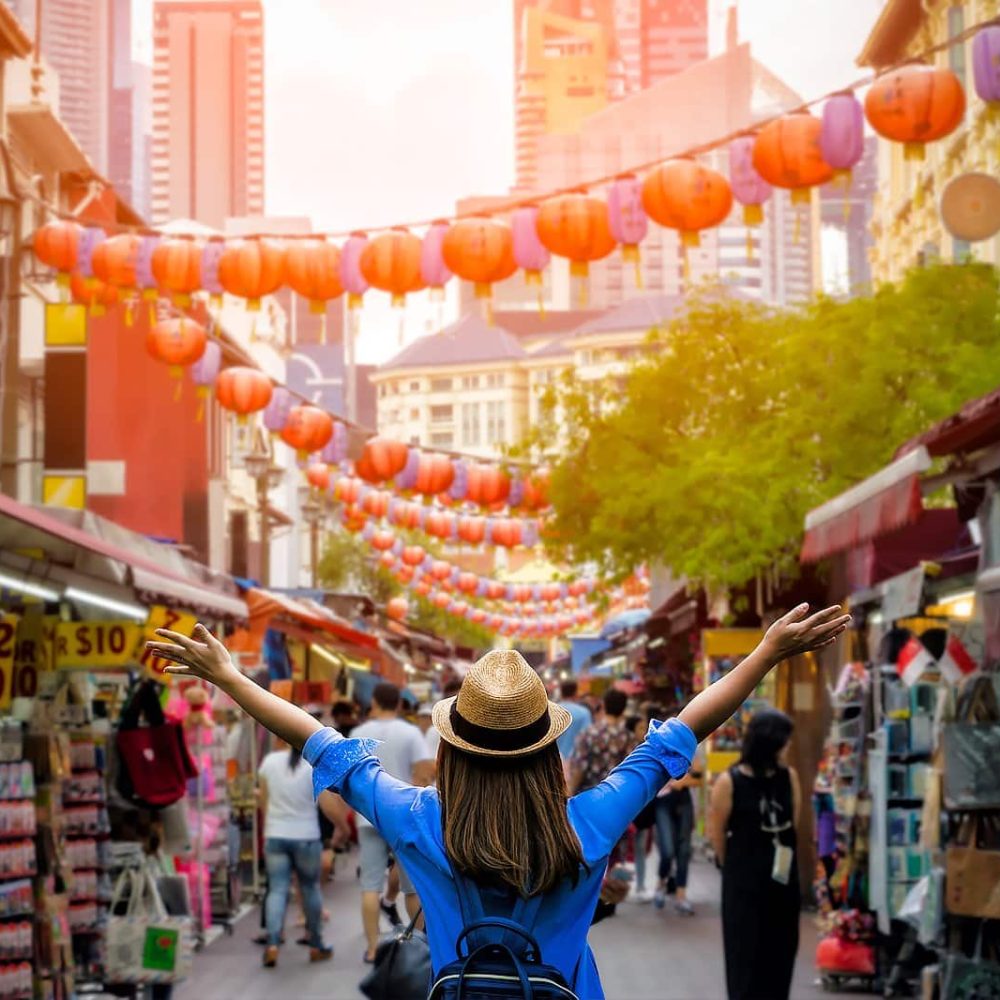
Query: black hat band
(499, 739)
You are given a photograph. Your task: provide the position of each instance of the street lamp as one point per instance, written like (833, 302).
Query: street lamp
(266, 476)
(313, 514)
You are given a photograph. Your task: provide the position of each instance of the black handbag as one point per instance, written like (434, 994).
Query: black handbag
(402, 969)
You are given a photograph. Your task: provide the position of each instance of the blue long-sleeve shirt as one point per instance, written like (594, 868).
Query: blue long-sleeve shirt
(409, 819)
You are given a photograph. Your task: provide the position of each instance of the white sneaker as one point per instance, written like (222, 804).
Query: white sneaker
(642, 896)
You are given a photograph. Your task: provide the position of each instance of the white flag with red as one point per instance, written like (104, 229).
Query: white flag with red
(913, 661)
(956, 662)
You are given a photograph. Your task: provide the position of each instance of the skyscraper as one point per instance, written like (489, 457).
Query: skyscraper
(208, 110)
(121, 94)
(566, 51)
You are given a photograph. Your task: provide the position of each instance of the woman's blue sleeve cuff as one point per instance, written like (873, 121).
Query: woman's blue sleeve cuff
(674, 743)
(333, 758)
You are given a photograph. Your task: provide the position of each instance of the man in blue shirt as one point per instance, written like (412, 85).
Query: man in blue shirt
(581, 719)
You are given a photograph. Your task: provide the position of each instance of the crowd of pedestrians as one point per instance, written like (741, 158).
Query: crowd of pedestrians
(753, 808)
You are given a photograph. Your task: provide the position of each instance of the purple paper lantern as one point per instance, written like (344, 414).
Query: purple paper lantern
(336, 448)
(211, 254)
(749, 188)
(350, 269)
(90, 239)
(206, 369)
(627, 219)
(460, 484)
(144, 279)
(276, 412)
(433, 270)
(842, 138)
(986, 63)
(407, 479)
(516, 496)
(529, 253)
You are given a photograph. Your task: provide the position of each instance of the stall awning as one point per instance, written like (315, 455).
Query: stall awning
(882, 503)
(975, 426)
(154, 580)
(267, 604)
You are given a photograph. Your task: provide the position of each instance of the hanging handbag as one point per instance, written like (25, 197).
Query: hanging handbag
(402, 967)
(972, 750)
(972, 869)
(154, 762)
(145, 945)
(965, 978)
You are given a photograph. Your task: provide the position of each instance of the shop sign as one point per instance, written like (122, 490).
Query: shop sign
(96, 645)
(901, 594)
(32, 652)
(8, 636)
(161, 617)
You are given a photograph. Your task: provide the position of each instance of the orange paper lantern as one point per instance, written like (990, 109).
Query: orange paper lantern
(435, 473)
(176, 266)
(93, 293)
(318, 475)
(413, 555)
(397, 609)
(440, 570)
(115, 258)
(382, 459)
(177, 342)
(915, 105)
(243, 390)
(251, 269)
(682, 194)
(787, 153)
(347, 489)
(391, 262)
(382, 541)
(575, 226)
(57, 245)
(487, 485)
(308, 429)
(472, 529)
(312, 268)
(481, 251)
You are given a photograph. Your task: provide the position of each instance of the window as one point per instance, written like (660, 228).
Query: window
(961, 251)
(470, 381)
(442, 414)
(441, 385)
(414, 414)
(496, 432)
(494, 381)
(414, 387)
(442, 441)
(470, 424)
(956, 53)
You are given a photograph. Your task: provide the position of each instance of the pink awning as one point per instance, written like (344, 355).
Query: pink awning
(882, 503)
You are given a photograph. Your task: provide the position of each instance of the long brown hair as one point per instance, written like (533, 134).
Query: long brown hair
(505, 820)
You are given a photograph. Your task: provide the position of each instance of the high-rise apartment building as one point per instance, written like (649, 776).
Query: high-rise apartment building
(208, 110)
(567, 51)
(121, 94)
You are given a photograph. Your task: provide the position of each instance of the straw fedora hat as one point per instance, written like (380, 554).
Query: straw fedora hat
(502, 709)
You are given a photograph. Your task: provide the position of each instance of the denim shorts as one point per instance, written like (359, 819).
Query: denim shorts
(375, 855)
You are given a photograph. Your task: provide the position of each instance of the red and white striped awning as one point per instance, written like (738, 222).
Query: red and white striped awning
(879, 504)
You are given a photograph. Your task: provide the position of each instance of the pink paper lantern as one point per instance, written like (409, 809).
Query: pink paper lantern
(842, 138)
(749, 188)
(529, 253)
(433, 271)
(627, 219)
(351, 278)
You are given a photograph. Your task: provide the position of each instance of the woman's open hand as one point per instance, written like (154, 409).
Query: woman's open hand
(200, 655)
(794, 633)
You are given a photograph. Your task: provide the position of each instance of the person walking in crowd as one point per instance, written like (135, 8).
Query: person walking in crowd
(425, 723)
(344, 719)
(755, 809)
(402, 752)
(674, 832)
(580, 719)
(642, 826)
(601, 747)
(292, 845)
(500, 828)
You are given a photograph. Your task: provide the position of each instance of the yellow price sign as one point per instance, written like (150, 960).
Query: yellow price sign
(161, 617)
(8, 645)
(95, 645)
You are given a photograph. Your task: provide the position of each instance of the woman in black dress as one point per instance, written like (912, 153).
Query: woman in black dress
(755, 809)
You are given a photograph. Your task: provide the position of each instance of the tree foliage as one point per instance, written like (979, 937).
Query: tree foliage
(708, 455)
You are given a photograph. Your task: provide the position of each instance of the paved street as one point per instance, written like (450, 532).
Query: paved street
(643, 954)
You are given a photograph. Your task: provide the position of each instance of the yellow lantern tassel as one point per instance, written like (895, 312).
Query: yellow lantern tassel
(152, 313)
(129, 313)
(749, 245)
(178, 390)
(322, 328)
(580, 270)
(97, 310)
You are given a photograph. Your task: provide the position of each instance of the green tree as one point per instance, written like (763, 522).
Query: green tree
(707, 457)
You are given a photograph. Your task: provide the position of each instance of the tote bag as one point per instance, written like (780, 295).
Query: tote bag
(972, 870)
(145, 945)
(972, 750)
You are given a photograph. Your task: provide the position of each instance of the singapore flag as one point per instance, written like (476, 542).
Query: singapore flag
(956, 662)
(913, 661)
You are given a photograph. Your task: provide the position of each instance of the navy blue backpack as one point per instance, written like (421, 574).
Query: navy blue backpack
(498, 958)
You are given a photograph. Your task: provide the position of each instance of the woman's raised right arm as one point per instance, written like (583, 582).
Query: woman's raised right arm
(202, 655)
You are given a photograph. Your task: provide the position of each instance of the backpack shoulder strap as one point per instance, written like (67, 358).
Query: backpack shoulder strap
(526, 911)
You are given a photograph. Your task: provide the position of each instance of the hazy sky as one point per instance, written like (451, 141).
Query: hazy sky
(385, 110)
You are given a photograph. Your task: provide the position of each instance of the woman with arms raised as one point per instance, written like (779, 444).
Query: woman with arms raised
(500, 817)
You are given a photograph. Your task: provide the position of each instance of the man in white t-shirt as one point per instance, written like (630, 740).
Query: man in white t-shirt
(404, 754)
